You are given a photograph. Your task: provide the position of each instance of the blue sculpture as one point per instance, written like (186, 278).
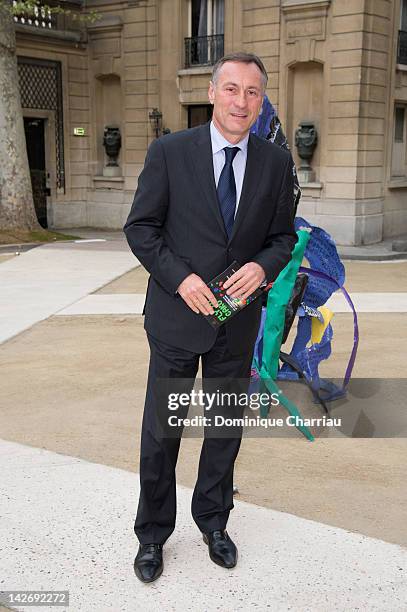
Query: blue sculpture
(325, 276)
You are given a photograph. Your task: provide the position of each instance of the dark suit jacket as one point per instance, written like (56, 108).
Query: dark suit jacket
(175, 227)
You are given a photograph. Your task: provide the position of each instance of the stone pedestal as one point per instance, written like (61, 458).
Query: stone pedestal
(306, 176)
(112, 171)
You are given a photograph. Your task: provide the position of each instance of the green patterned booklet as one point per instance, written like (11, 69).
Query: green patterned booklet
(227, 306)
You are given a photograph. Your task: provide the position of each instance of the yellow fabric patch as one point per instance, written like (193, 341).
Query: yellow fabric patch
(318, 328)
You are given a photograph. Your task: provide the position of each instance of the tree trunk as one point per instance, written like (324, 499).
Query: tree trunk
(16, 200)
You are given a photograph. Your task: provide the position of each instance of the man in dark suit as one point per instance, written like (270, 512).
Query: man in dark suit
(206, 197)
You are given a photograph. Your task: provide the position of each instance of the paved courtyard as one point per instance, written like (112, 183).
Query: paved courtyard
(328, 517)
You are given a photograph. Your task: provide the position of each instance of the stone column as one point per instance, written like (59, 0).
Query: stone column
(334, 62)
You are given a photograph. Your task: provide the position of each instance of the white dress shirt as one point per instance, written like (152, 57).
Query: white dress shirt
(219, 142)
(239, 162)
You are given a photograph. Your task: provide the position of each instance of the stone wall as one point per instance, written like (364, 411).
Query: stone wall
(332, 62)
(76, 111)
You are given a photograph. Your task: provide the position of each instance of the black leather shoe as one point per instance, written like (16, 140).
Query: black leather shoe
(222, 550)
(148, 565)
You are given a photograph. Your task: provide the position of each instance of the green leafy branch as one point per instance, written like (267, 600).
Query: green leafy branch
(28, 8)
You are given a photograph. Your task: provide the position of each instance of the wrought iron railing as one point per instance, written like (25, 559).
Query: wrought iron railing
(402, 47)
(63, 17)
(203, 50)
(39, 189)
(41, 17)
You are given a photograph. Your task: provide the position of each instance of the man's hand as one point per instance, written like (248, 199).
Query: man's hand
(246, 280)
(196, 295)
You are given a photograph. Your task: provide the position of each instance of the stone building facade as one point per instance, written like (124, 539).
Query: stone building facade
(339, 64)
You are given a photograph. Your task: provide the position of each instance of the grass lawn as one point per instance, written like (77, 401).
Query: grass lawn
(24, 236)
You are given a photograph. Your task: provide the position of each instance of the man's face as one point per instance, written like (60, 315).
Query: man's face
(237, 97)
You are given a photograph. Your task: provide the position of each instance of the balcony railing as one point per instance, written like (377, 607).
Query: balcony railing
(41, 18)
(402, 47)
(203, 50)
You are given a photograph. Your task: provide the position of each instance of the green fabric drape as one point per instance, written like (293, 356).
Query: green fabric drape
(277, 301)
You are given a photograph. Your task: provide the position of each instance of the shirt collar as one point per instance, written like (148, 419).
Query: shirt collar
(219, 142)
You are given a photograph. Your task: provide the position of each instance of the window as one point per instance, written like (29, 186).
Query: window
(403, 16)
(204, 45)
(198, 114)
(402, 41)
(398, 162)
(207, 17)
(399, 124)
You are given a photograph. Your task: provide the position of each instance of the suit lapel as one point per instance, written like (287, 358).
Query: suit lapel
(254, 168)
(202, 160)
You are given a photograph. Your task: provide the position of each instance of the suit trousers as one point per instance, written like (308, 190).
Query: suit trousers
(212, 498)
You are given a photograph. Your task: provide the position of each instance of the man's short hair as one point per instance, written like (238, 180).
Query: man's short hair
(243, 58)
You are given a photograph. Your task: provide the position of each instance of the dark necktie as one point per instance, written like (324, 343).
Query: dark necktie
(227, 190)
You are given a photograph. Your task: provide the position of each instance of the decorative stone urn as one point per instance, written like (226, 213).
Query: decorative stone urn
(306, 139)
(112, 142)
